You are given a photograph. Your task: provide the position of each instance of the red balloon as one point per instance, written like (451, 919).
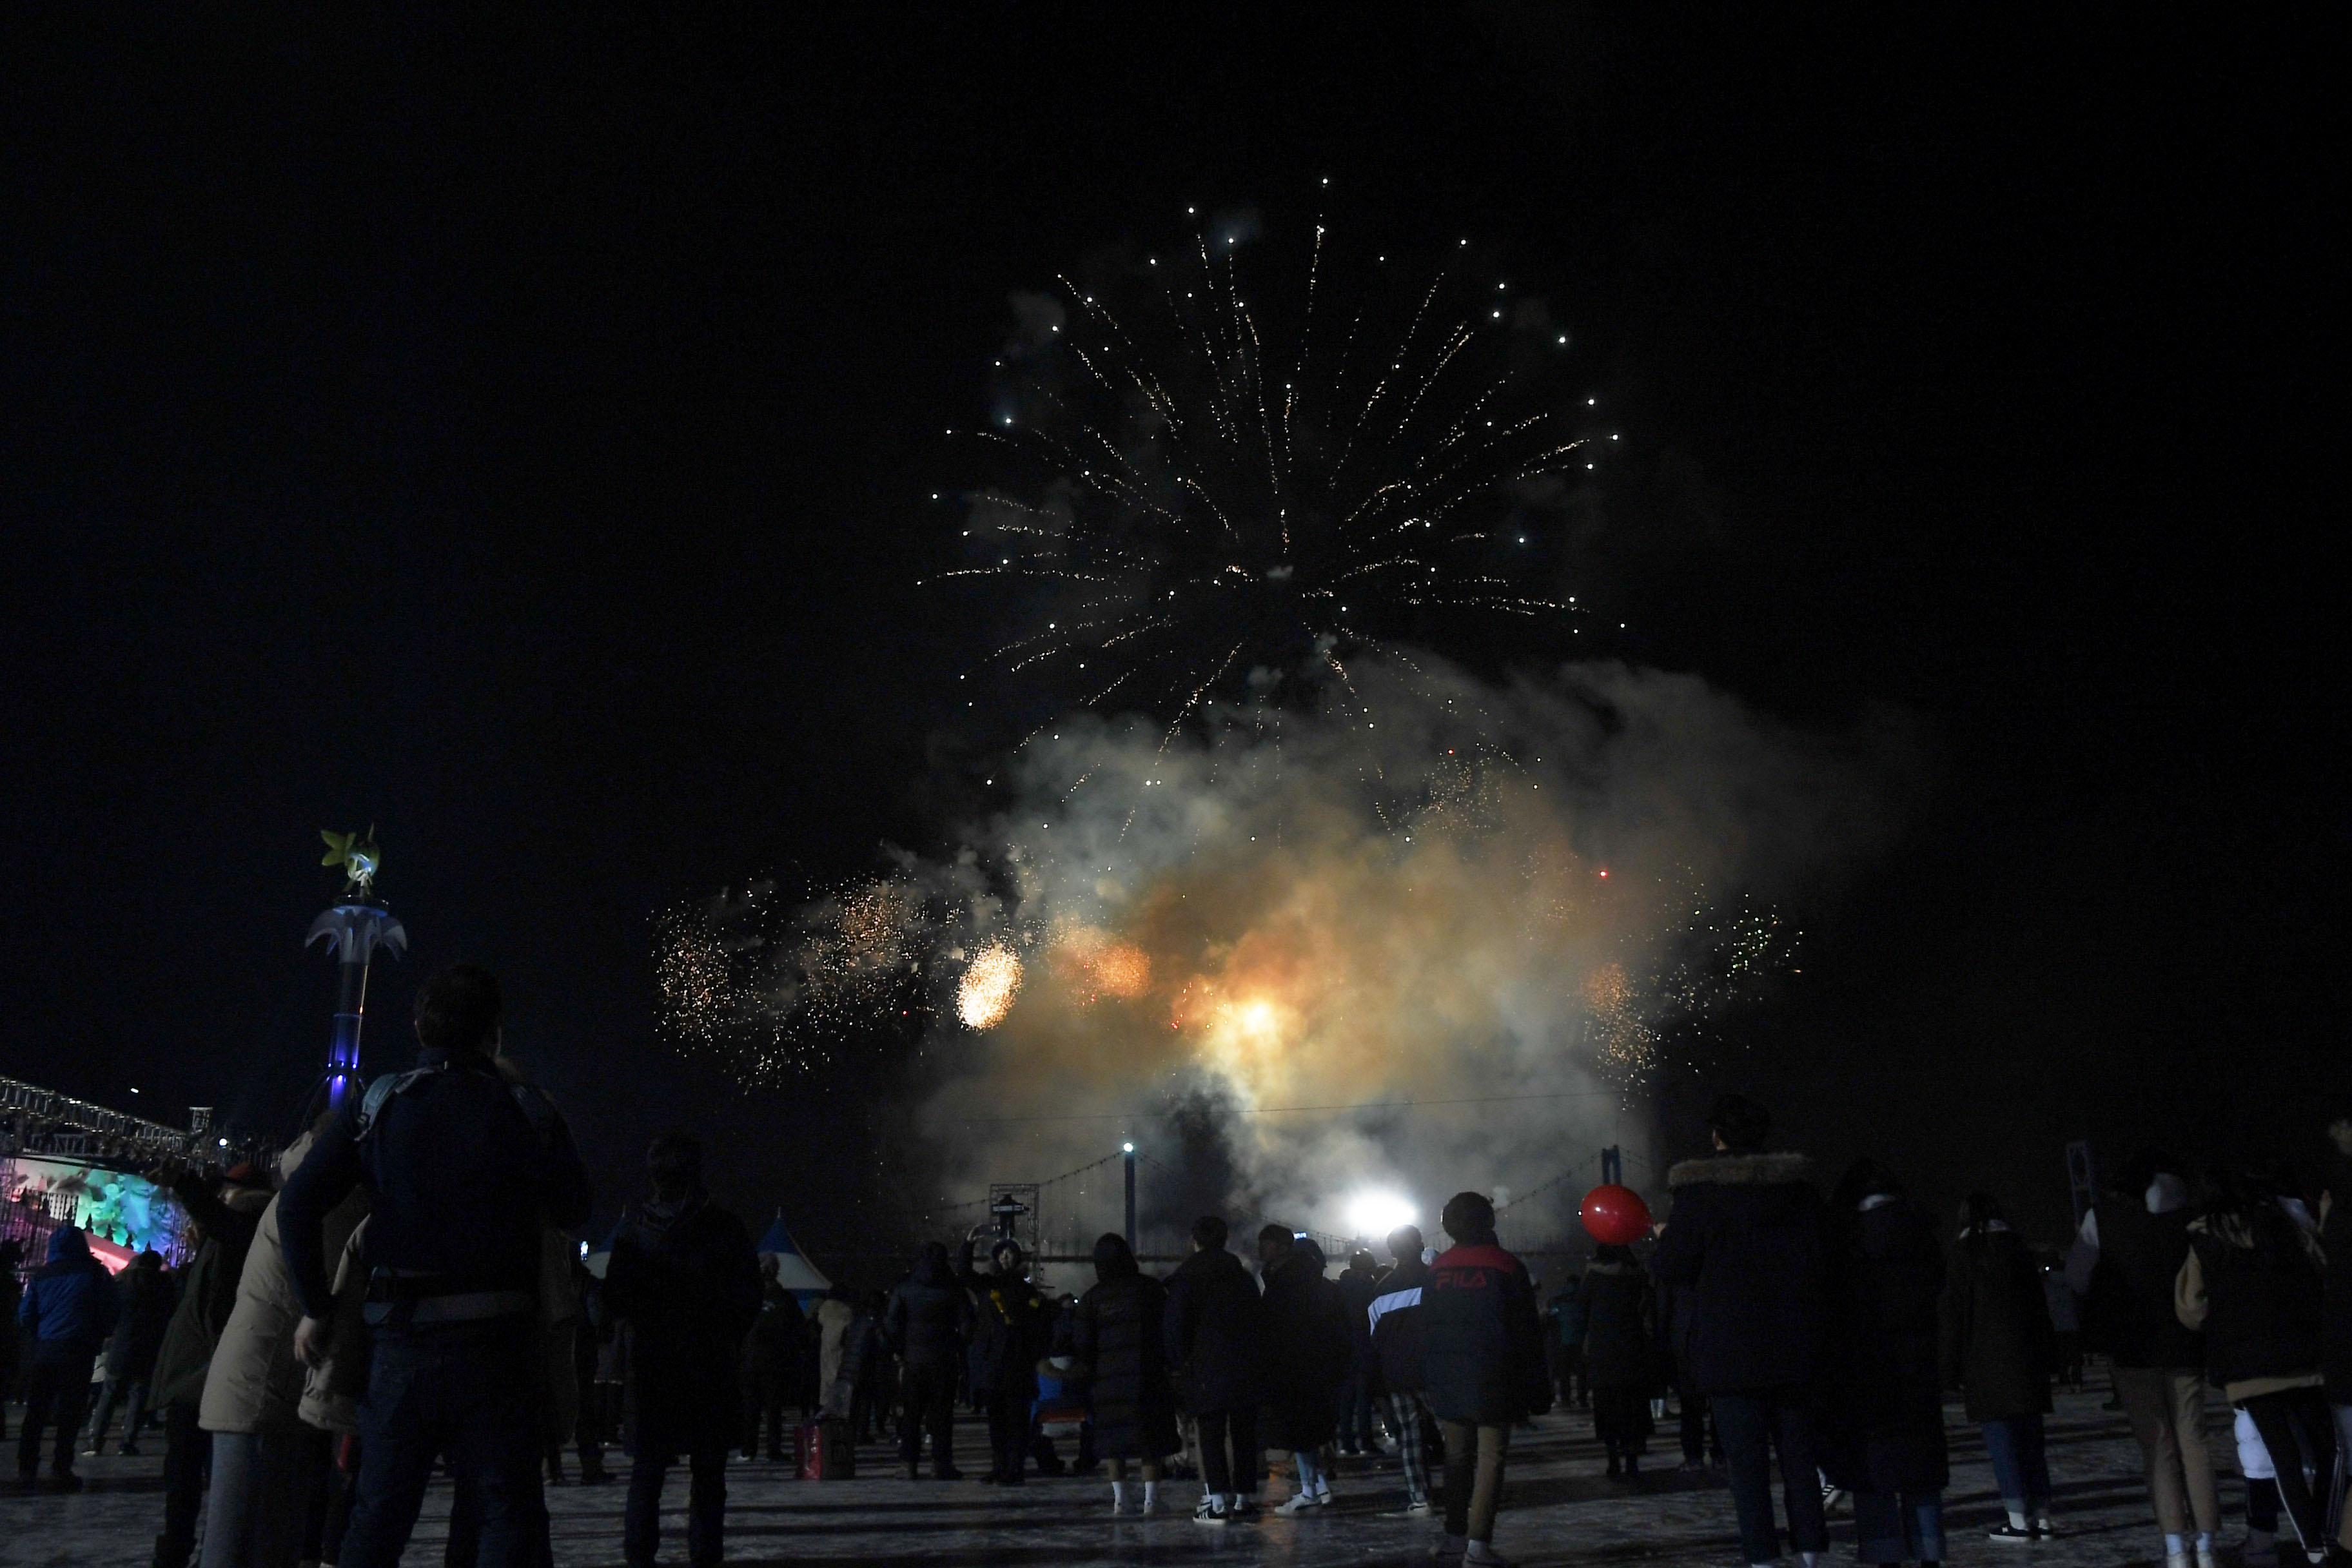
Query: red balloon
(1615, 1216)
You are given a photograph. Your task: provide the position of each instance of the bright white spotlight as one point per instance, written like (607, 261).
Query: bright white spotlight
(1375, 1213)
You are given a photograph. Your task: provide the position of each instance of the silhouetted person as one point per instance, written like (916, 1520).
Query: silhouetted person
(1619, 1351)
(1999, 1352)
(1309, 1347)
(928, 1322)
(1395, 1319)
(684, 1277)
(1121, 1337)
(68, 1310)
(2252, 1282)
(462, 1168)
(771, 1356)
(1885, 1443)
(1746, 1241)
(1013, 1331)
(1215, 1337)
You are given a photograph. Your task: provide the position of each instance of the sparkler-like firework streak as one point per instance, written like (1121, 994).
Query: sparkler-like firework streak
(1222, 486)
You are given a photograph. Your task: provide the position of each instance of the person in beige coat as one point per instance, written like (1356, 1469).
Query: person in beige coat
(265, 1460)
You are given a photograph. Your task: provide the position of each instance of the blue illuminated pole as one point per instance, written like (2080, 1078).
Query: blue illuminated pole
(355, 928)
(1128, 1149)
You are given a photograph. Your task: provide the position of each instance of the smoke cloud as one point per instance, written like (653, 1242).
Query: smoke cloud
(1485, 917)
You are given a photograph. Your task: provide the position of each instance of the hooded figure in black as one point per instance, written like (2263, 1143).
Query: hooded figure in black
(928, 1321)
(772, 1359)
(1309, 1347)
(1999, 1349)
(1214, 1334)
(1620, 1351)
(1121, 1340)
(684, 1277)
(1013, 1329)
(1884, 1441)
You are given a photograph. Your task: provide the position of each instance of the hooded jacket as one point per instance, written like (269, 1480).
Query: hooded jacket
(1620, 1339)
(1998, 1345)
(1121, 1337)
(684, 1277)
(1482, 1351)
(929, 1318)
(1394, 1318)
(254, 1382)
(1746, 1245)
(1310, 1344)
(70, 1302)
(1215, 1333)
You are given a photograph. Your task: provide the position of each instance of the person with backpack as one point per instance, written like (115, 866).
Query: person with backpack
(1746, 1245)
(2127, 1255)
(1999, 1352)
(1482, 1368)
(2252, 1284)
(1213, 1331)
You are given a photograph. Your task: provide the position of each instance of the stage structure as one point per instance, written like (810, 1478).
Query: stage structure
(355, 929)
(69, 1161)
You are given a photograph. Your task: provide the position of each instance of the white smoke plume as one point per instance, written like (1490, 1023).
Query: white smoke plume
(1493, 914)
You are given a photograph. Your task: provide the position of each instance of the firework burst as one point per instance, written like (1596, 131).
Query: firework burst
(1218, 485)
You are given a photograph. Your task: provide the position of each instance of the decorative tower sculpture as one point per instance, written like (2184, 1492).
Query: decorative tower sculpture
(356, 928)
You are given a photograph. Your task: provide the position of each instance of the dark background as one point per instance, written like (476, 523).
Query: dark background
(513, 432)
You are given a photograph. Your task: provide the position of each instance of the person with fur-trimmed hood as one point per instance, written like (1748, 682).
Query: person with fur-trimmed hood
(1746, 1240)
(1482, 1368)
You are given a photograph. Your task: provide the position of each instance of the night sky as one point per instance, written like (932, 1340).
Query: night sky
(516, 433)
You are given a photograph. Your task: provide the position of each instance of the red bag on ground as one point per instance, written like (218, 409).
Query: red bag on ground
(822, 1451)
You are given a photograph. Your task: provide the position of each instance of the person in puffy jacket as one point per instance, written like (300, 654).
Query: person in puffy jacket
(1999, 1351)
(1620, 1351)
(1483, 1367)
(68, 1309)
(1120, 1338)
(928, 1322)
(1215, 1333)
(1309, 1347)
(1745, 1249)
(146, 1308)
(1394, 1319)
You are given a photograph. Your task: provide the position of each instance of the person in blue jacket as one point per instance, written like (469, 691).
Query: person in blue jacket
(67, 1313)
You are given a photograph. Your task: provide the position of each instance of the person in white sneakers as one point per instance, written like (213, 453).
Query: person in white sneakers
(1121, 1340)
(1483, 1369)
(1213, 1334)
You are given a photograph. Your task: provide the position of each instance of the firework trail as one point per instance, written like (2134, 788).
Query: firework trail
(1221, 486)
